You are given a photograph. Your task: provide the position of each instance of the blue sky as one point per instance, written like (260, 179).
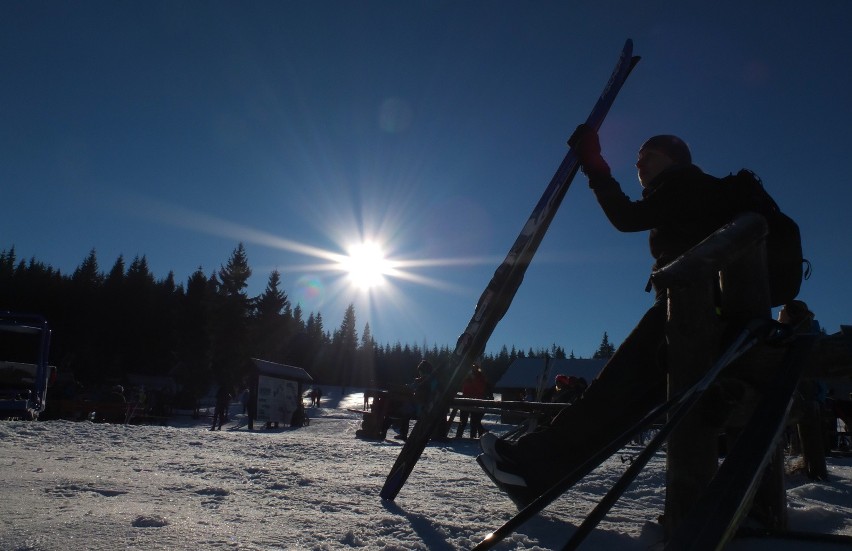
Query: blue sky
(176, 130)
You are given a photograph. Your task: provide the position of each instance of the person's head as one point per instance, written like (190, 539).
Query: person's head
(562, 381)
(794, 313)
(424, 367)
(661, 153)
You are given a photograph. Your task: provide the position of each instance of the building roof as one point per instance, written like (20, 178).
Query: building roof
(539, 373)
(282, 371)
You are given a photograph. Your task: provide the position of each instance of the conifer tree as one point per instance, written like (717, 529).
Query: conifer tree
(366, 364)
(194, 368)
(88, 273)
(231, 319)
(605, 350)
(86, 302)
(270, 323)
(345, 344)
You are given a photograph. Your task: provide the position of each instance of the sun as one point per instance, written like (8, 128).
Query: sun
(366, 265)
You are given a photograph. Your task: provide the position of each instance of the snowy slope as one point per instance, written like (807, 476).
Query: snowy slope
(78, 485)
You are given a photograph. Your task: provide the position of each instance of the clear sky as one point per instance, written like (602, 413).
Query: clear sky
(176, 130)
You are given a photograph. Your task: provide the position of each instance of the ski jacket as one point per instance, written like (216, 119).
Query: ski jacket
(475, 385)
(680, 207)
(425, 388)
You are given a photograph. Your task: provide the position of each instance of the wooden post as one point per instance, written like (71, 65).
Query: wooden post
(736, 255)
(745, 296)
(692, 330)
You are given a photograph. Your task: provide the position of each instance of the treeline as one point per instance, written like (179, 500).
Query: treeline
(202, 333)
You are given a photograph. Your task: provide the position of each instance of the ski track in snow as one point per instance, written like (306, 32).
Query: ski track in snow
(78, 485)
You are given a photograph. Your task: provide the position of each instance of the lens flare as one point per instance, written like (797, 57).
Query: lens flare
(366, 265)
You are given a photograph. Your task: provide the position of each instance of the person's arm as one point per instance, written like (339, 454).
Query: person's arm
(624, 214)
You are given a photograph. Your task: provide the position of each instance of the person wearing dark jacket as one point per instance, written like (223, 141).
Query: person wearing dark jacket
(425, 387)
(566, 390)
(223, 399)
(680, 206)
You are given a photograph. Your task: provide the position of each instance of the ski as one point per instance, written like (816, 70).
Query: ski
(495, 300)
(714, 519)
(751, 335)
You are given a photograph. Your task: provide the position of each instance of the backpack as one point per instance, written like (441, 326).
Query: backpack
(785, 264)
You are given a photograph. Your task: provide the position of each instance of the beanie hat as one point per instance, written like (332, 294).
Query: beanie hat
(671, 146)
(562, 380)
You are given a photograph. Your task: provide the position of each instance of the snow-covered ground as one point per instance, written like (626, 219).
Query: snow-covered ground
(78, 485)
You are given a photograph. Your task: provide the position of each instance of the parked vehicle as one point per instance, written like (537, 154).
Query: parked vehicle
(24, 369)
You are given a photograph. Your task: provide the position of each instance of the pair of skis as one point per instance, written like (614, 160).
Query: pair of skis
(495, 300)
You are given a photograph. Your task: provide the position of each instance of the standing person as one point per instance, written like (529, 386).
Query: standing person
(810, 400)
(223, 398)
(244, 399)
(425, 386)
(680, 206)
(252, 404)
(474, 386)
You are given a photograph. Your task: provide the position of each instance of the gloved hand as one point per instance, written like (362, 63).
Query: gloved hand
(587, 145)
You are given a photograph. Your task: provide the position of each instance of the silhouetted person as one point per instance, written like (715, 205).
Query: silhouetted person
(223, 399)
(680, 206)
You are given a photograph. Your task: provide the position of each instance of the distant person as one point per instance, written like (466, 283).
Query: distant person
(475, 386)
(425, 386)
(565, 390)
(811, 399)
(223, 399)
(679, 207)
(252, 405)
(798, 316)
(244, 399)
(141, 397)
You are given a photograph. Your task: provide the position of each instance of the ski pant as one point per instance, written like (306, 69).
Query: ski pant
(463, 417)
(218, 416)
(629, 386)
(476, 429)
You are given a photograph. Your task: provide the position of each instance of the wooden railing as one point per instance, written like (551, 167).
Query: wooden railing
(720, 283)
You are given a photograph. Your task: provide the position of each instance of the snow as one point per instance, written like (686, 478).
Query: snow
(80, 485)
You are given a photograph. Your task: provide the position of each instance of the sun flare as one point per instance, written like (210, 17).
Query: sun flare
(366, 265)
